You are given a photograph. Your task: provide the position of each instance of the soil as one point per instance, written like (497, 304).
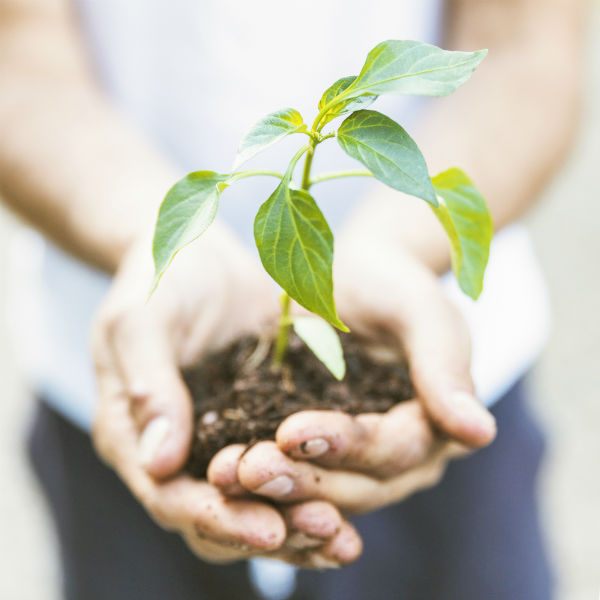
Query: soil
(240, 398)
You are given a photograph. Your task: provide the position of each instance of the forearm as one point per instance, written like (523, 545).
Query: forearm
(68, 162)
(509, 128)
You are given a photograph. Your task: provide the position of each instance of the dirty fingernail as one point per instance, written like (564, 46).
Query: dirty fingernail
(313, 448)
(300, 541)
(280, 486)
(152, 438)
(318, 561)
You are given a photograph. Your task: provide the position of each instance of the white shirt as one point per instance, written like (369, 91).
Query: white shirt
(194, 75)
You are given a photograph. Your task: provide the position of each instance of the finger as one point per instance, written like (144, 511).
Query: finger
(266, 471)
(194, 507)
(222, 470)
(159, 400)
(343, 548)
(311, 524)
(438, 347)
(214, 552)
(322, 546)
(381, 445)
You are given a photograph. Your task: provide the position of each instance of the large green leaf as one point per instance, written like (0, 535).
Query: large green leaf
(388, 151)
(344, 106)
(464, 214)
(296, 248)
(322, 339)
(188, 209)
(266, 132)
(407, 67)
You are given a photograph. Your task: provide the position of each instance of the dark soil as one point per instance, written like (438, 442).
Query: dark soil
(236, 403)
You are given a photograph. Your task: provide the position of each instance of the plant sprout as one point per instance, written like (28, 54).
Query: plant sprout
(293, 238)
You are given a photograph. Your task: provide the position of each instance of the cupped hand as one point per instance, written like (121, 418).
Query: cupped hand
(364, 462)
(212, 294)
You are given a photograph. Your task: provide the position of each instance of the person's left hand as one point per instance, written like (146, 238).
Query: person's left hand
(362, 463)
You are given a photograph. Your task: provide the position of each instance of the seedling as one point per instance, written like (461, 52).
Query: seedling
(293, 238)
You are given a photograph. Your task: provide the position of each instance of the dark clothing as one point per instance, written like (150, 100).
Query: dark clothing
(475, 536)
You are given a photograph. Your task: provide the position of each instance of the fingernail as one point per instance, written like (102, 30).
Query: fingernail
(313, 448)
(473, 413)
(280, 486)
(152, 438)
(138, 390)
(300, 541)
(320, 562)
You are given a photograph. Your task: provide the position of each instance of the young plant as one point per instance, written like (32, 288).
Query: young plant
(293, 238)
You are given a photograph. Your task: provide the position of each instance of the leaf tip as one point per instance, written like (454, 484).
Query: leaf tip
(340, 372)
(342, 326)
(154, 285)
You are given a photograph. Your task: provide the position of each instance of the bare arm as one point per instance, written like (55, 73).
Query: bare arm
(68, 162)
(509, 128)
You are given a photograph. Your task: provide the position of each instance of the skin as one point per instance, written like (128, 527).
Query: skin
(94, 190)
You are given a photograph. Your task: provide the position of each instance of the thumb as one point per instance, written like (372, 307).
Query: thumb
(160, 402)
(436, 340)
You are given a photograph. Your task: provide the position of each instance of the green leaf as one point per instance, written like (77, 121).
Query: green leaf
(322, 339)
(388, 151)
(266, 132)
(188, 209)
(407, 67)
(344, 106)
(296, 248)
(464, 214)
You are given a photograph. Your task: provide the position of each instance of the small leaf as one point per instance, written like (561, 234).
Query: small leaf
(464, 214)
(344, 106)
(388, 151)
(266, 132)
(322, 339)
(407, 67)
(296, 248)
(188, 209)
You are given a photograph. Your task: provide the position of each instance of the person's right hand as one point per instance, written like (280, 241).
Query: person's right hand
(365, 462)
(213, 293)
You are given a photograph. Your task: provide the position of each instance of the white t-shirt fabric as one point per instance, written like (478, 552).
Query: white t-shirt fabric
(193, 76)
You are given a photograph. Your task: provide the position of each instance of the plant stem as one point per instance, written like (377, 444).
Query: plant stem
(339, 174)
(307, 165)
(284, 331)
(243, 174)
(297, 157)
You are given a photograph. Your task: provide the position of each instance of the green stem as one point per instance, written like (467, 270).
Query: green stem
(307, 165)
(284, 331)
(339, 174)
(243, 174)
(297, 157)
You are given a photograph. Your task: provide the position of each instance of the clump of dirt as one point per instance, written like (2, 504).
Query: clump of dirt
(235, 402)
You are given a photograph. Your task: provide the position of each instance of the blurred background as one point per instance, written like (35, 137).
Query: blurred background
(566, 389)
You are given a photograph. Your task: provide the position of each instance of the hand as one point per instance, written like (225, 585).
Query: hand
(371, 460)
(212, 294)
